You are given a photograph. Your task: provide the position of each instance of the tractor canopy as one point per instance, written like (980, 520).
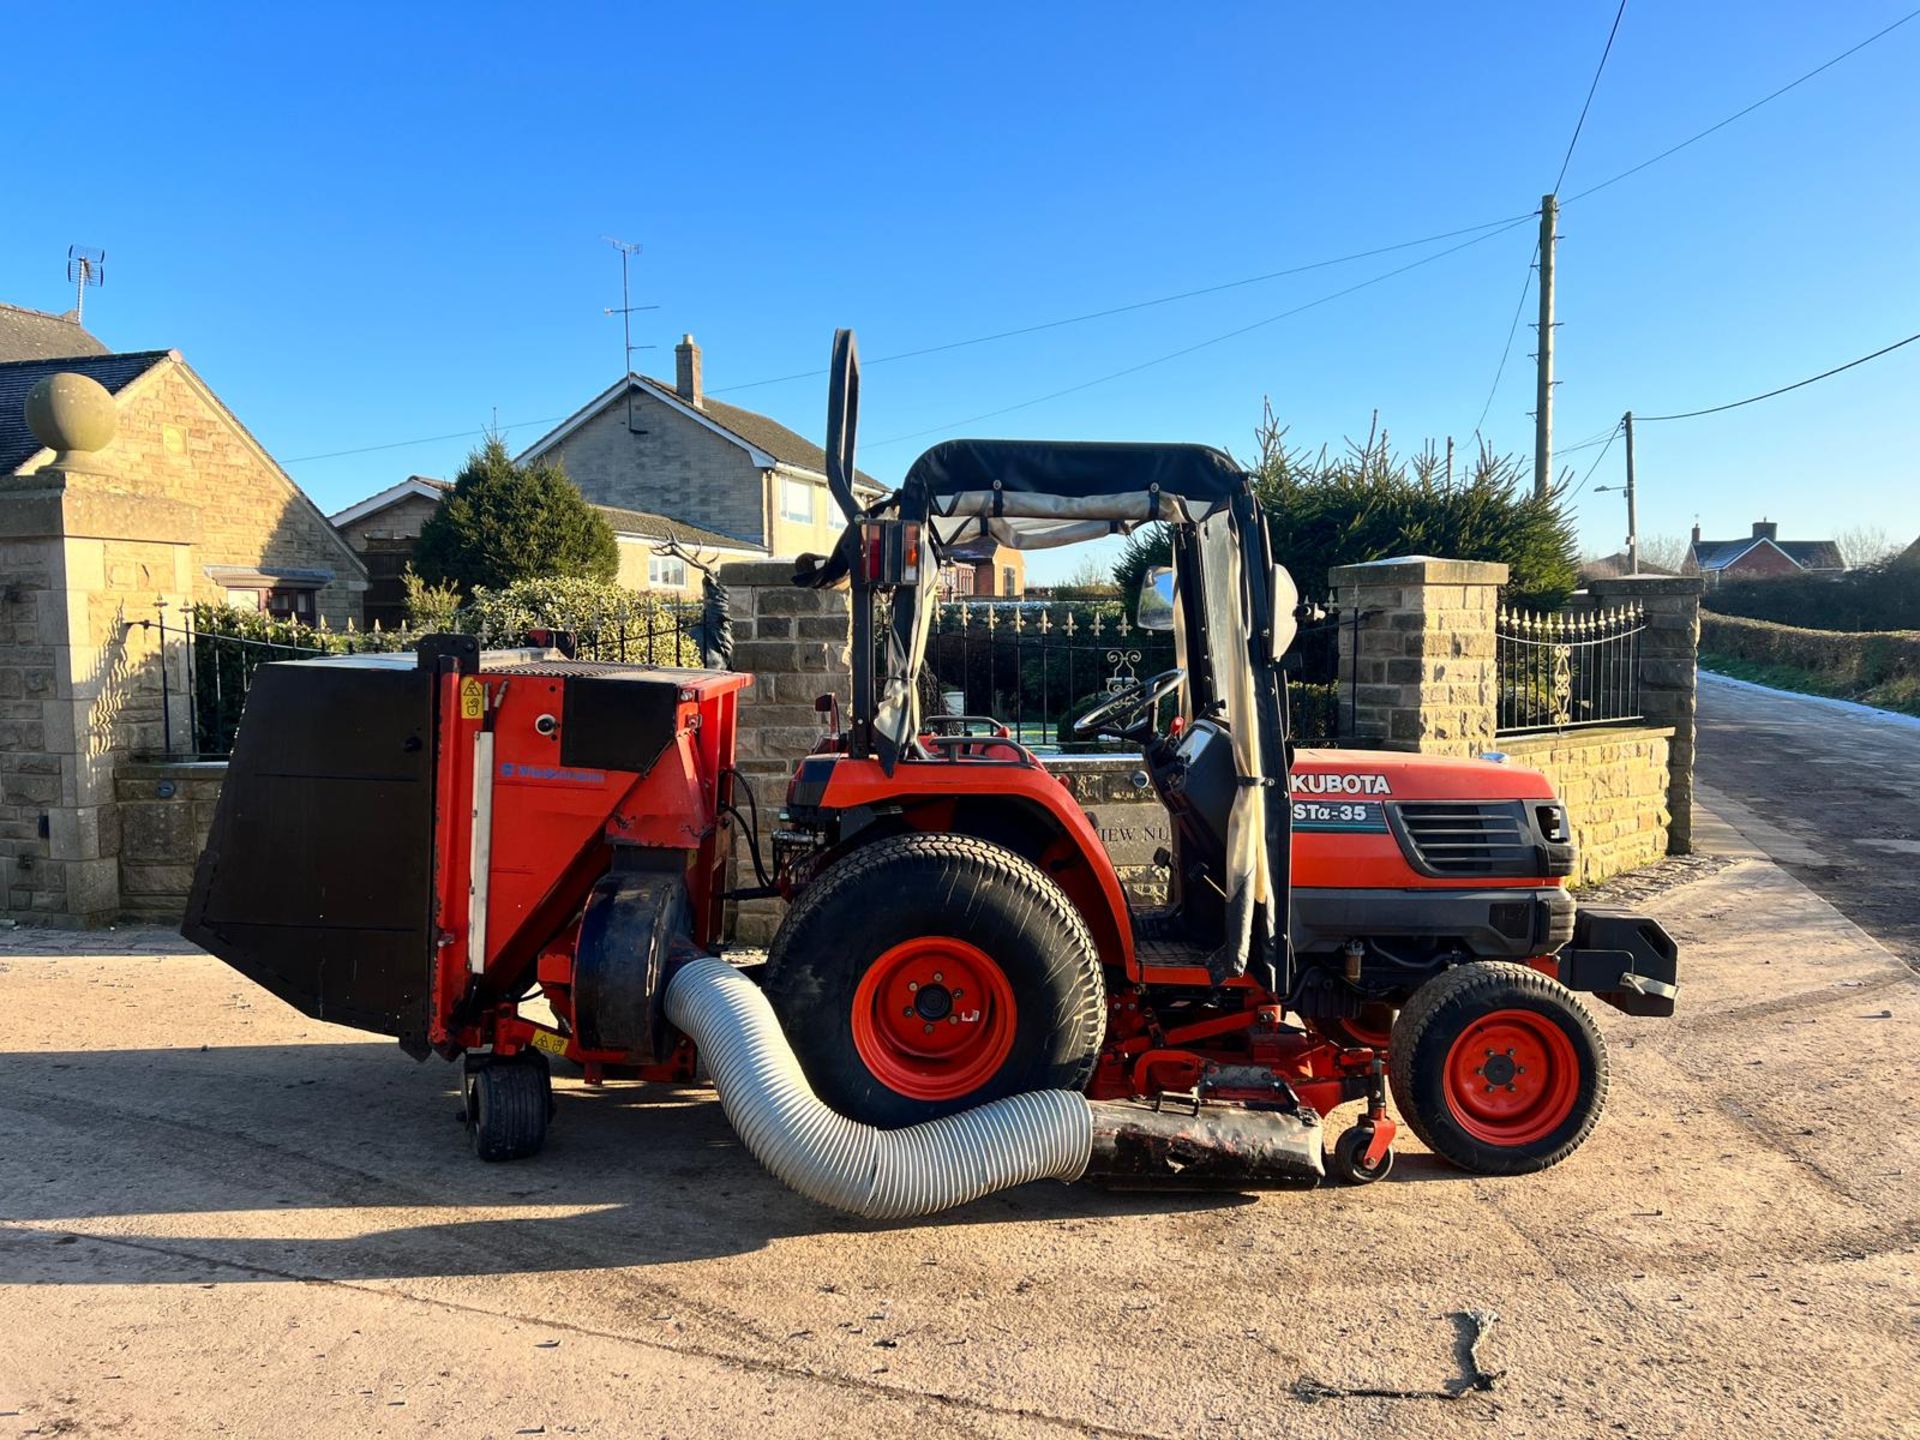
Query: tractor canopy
(1034, 494)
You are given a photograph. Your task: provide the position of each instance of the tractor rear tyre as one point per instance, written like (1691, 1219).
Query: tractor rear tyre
(1498, 1068)
(509, 1100)
(926, 974)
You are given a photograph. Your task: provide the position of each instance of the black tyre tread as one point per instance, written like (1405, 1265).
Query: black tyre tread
(866, 869)
(1417, 1014)
(514, 1099)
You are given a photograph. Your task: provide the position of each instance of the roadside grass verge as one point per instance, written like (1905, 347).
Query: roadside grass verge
(1899, 692)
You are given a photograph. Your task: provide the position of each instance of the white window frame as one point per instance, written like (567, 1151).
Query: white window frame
(659, 567)
(789, 487)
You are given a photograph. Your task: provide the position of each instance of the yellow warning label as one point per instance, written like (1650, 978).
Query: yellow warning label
(551, 1043)
(473, 699)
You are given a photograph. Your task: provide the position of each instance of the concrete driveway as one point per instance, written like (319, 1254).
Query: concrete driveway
(217, 1216)
(1831, 791)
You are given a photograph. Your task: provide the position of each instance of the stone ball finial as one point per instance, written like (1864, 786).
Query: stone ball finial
(71, 413)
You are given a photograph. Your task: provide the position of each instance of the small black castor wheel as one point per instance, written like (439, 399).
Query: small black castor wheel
(509, 1100)
(1349, 1161)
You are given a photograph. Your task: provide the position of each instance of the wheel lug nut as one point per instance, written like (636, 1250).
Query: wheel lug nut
(1489, 1089)
(937, 978)
(907, 1011)
(1509, 1052)
(1510, 1089)
(913, 985)
(1519, 1069)
(958, 992)
(953, 1019)
(929, 1027)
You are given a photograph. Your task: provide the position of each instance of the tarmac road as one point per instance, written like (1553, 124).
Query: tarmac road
(1831, 792)
(217, 1216)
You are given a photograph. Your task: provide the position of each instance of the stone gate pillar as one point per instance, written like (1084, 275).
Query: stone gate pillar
(83, 561)
(1669, 651)
(1417, 665)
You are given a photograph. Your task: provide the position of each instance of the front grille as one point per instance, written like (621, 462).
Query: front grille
(1467, 837)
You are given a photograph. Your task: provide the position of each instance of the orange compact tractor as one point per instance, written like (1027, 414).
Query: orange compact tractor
(512, 858)
(1340, 919)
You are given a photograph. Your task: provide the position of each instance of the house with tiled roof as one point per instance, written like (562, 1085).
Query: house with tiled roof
(257, 539)
(383, 527)
(1760, 556)
(676, 452)
(39, 335)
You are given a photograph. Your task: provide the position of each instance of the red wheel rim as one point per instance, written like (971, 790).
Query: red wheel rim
(1512, 1078)
(934, 1018)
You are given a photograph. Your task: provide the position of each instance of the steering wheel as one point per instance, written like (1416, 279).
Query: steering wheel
(1133, 705)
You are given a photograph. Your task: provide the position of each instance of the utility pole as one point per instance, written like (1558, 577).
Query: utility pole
(1543, 387)
(1633, 518)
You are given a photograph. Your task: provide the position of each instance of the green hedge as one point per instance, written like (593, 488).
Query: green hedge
(1879, 597)
(1881, 667)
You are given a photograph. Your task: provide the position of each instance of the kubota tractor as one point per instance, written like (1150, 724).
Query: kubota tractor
(516, 856)
(1340, 920)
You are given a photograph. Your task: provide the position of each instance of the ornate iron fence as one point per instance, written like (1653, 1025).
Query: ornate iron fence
(1036, 666)
(1567, 670)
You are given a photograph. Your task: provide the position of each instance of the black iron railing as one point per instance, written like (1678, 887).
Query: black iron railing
(1037, 665)
(1567, 670)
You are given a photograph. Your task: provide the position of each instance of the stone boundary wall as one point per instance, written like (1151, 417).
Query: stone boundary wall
(1614, 785)
(166, 810)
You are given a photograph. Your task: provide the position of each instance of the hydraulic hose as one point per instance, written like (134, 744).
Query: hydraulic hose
(877, 1174)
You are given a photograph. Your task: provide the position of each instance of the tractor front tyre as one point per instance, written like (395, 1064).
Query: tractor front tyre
(509, 1100)
(1498, 1068)
(926, 974)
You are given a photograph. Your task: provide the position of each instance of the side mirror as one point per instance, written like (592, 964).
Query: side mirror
(1283, 596)
(1154, 610)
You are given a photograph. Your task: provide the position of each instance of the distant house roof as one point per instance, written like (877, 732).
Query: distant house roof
(37, 335)
(1608, 567)
(114, 372)
(424, 486)
(767, 440)
(1710, 555)
(660, 527)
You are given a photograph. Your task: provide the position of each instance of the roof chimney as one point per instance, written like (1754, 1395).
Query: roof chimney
(1766, 530)
(1696, 532)
(686, 370)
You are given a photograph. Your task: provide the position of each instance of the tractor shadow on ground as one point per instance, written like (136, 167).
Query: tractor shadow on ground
(348, 1162)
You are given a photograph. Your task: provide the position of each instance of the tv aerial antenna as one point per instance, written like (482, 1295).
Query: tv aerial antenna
(626, 312)
(85, 266)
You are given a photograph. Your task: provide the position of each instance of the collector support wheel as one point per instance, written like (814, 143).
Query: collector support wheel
(509, 1100)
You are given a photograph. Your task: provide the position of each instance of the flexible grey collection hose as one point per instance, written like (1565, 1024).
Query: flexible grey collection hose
(878, 1174)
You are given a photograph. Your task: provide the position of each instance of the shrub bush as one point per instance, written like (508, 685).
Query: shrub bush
(1850, 663)
(608, 621)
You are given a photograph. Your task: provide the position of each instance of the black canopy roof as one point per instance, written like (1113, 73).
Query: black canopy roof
(1075, 468)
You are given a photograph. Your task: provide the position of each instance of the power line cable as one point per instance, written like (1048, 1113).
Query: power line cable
(1611, 436)
(1768, 395)
(1526, 283)
(1742, 114)
(1230, 284)
(1519, 307)
(1198, 345)
(1136, 305)
(1581, 123)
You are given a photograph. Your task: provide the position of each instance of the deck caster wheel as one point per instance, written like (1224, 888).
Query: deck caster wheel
(1349, 1161)
(509, 1100)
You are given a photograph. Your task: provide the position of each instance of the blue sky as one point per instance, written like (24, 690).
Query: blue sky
(367, 225)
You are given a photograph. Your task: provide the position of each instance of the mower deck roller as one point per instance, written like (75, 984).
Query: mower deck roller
(419, 845)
